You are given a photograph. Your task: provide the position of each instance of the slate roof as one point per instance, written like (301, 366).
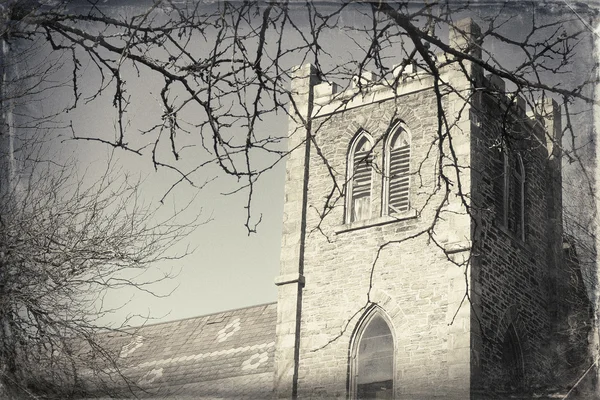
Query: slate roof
(227, 355)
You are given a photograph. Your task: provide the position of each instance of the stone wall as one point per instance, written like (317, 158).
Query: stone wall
(510, 274)
(517, 278)
(449, 274)
(388, 261)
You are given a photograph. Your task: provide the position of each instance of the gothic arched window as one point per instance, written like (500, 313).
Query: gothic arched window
(359, 182)
(500, 174)
(373, 360)
(509, 191)
(516, 190)
(512, 360)
(397, 172)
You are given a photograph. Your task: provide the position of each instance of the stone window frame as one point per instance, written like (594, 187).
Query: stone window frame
(520, 182)
(398, 129)
(512, 326)
(350, 160)
(510, 161)
(505, 185)
(512, 356)
(357, 335)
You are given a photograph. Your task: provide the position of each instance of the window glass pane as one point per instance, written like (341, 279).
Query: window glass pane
(361, 208)
(377, 327)
(399, 140)
(375, 361)
(376, 390)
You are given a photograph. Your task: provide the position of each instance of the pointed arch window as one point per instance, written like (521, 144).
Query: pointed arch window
(360, 177)
(397, 172)
(500, 173)
(509, 191)
(512, 360)
(373, 360)
(516, 202)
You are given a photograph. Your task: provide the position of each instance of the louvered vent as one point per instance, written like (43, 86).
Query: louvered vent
(361, 185)
(399, 179)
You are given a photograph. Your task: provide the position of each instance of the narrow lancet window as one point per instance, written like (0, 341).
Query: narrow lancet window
(360, 171)
(516, 220)
(512, 361)
(374, 361)
(500, 174)
(397, 174)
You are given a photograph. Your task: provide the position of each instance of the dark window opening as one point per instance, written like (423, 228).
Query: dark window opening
(512, 361)
(375, 361)
(499, 168)
(509, 192)
(516, 203)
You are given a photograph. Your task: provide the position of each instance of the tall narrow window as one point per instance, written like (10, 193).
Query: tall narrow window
(509, 191)
(516, 189)
(397, 172)
(360, 171)
(512, 360)
(500, 174)
(374, 360)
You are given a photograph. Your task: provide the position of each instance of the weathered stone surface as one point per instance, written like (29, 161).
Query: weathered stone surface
(450, 300)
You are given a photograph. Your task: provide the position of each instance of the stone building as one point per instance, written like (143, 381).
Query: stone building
(415, 263)
(440, 271)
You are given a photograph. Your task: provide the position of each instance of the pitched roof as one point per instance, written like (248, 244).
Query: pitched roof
(223, 355)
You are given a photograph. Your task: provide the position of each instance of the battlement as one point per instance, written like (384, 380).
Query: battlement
(408, 77)
(368, 87)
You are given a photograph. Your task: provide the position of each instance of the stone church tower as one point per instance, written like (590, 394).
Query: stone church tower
(418, 264)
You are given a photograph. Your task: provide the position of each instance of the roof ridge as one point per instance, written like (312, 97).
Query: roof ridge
(201, 316)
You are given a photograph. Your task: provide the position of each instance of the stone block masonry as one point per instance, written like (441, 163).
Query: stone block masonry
(466, 284)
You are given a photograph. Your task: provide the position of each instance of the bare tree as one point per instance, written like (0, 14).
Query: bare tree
(225, 68)
(68, 239)
(65, 246)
